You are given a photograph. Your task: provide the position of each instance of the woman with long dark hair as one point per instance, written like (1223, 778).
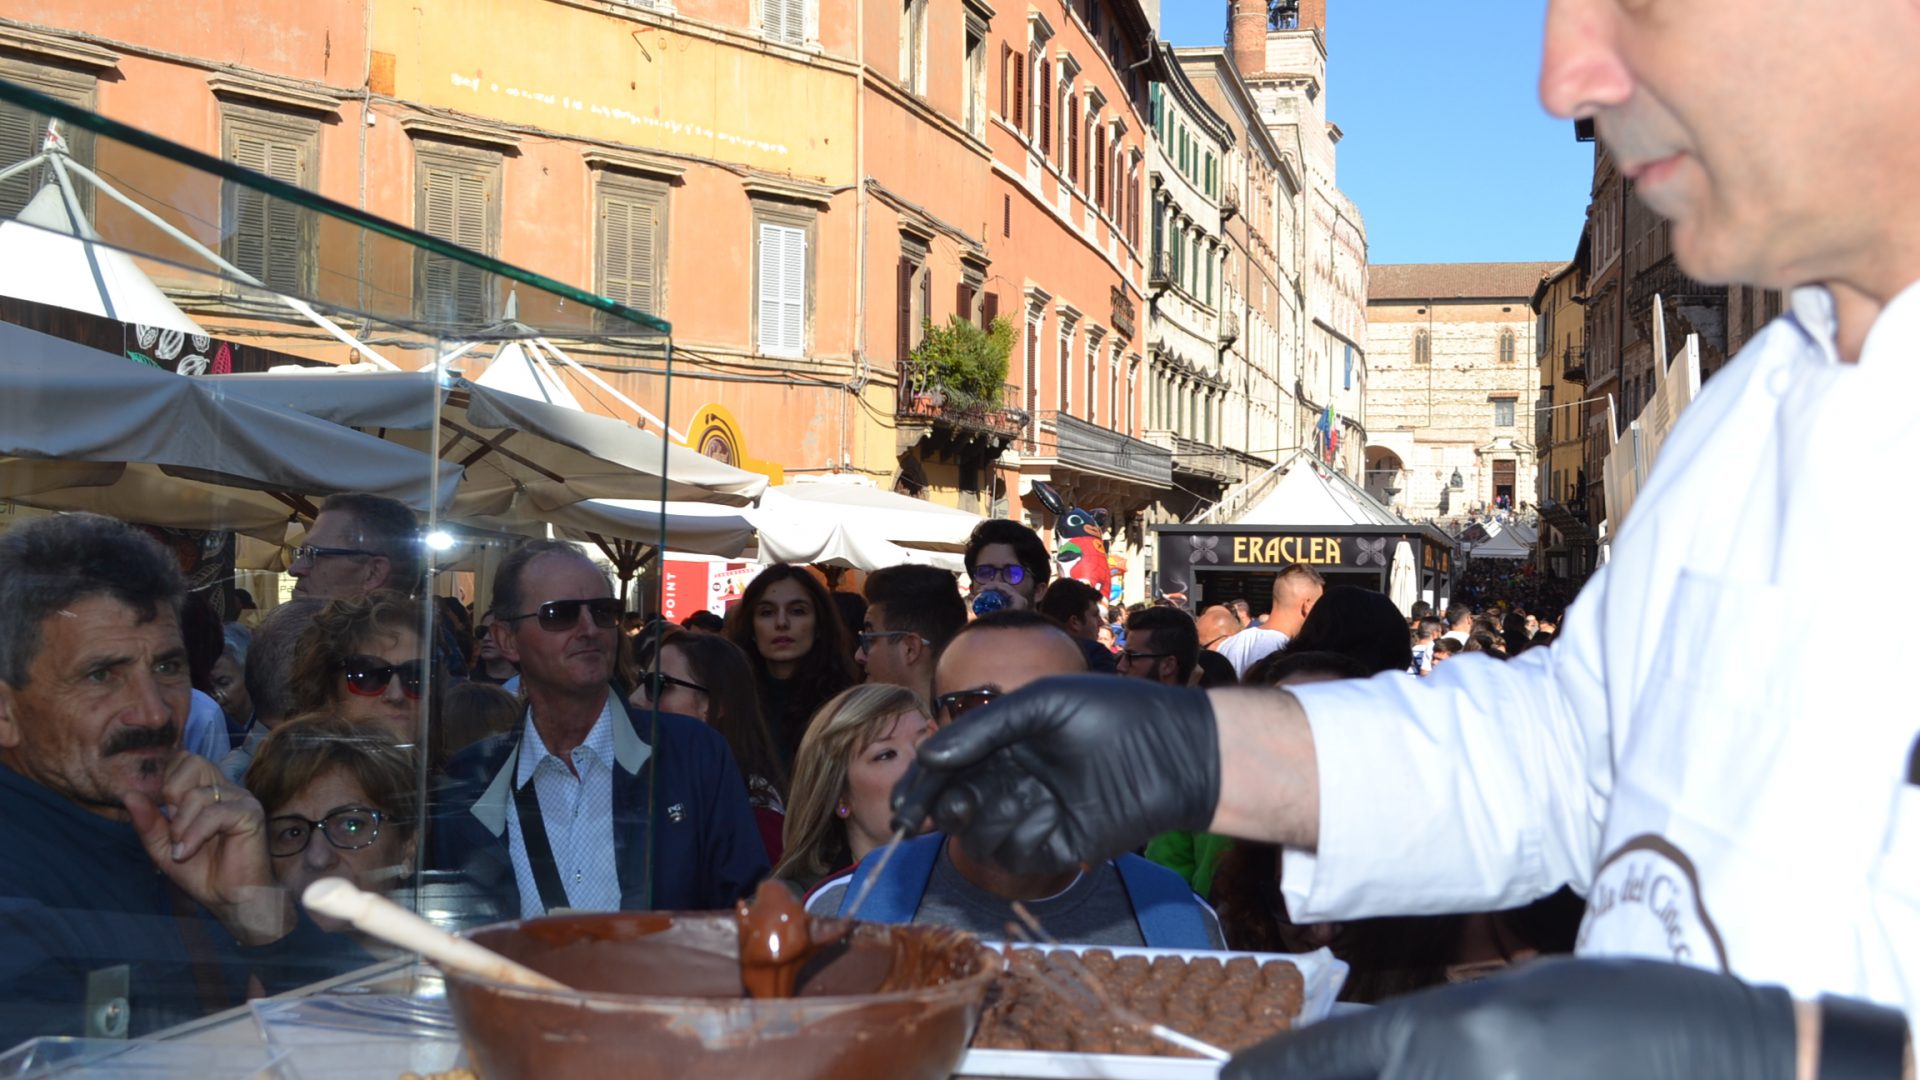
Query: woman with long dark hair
(801, 653)
(707, 677)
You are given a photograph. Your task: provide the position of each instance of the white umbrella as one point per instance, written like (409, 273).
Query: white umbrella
(1403, 583)
(81, 429)
(524, 459)
(50, 255)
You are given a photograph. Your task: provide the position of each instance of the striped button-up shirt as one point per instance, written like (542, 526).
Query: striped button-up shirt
(577, 806)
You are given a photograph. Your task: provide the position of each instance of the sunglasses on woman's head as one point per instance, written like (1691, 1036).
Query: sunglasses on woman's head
(655, 683)
(368, 676)
(559, 615)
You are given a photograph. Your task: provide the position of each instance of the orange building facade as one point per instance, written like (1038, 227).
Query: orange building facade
(800, 187)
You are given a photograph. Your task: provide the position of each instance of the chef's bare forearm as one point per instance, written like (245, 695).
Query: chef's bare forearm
(1269, 776)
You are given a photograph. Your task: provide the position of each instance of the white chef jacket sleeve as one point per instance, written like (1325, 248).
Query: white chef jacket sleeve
(1481, 787)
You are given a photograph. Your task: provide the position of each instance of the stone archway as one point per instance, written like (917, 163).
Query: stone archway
(1386, 476)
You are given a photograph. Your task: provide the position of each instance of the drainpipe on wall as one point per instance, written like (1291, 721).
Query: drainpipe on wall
(861, 199)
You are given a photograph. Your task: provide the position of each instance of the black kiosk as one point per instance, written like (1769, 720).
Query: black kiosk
(1312, 515)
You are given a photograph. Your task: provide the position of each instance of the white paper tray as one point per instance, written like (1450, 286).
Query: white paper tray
(1321, 971)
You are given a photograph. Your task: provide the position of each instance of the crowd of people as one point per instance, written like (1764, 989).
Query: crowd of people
(583, 759)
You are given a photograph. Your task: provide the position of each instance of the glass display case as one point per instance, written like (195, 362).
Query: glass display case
(336, 428)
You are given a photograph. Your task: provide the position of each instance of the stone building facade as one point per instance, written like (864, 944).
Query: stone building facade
(1262, 270)
(1566, 537)
(1282, 53)
(1453, 387)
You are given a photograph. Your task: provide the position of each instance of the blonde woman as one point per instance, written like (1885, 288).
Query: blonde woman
(856, 748)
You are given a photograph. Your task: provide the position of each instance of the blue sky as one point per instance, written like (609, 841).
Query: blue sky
(1447, 151)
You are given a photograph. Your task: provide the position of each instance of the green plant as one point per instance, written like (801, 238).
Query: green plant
(963, 361)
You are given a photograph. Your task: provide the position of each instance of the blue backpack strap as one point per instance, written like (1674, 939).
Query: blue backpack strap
(1169, 913)
(896, 897)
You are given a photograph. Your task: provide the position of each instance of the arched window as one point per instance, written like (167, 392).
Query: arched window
(1422, 347)
(1506, 346)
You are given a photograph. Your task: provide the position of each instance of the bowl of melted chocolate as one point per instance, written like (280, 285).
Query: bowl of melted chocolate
(764, 991)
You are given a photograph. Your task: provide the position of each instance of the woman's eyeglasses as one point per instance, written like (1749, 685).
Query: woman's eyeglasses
(1013, 574)
(369, 676)
(655, 683)
(348, 828)
(961, 702)
(559, 615)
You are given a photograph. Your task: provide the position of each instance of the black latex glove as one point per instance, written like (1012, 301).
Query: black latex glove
(1068, 771)
(1571, 1019)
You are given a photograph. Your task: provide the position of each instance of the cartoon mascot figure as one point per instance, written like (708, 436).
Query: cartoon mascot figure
(1080, 539)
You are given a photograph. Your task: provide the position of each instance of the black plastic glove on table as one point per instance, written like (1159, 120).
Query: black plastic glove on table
(1566, 1018)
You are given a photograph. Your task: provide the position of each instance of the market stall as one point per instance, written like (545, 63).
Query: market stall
(1313, 516)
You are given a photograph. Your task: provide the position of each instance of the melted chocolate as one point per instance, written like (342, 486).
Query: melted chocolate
(662, 996)
(777, 938)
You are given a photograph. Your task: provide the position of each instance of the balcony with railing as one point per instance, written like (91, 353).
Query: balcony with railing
(1573, 363)
(918, 400)
(1196, 458)
(1229, 204)
(1078, 445)
(1229, 327)
(1159, 273)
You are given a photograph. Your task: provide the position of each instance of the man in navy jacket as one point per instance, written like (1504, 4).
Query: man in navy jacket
(589, 804)
(135, 886)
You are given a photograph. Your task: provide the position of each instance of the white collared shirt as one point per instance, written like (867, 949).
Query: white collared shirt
(578, 813)
(1715, 749)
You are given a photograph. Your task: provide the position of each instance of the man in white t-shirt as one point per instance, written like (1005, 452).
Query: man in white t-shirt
(1459, 622)
(1295, 590)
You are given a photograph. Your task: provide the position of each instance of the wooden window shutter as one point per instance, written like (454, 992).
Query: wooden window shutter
(963, 300)
(1006, 78)
(989, 309)
(629, 259)
(1019, 115)
(1073, 142)
(1100, 180)
(903, 316)
(783, 290)
(20, 134)
(1045, 92)
(456, 209)
(249, 245)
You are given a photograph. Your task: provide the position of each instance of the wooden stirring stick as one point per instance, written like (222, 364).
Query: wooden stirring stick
(395, 925)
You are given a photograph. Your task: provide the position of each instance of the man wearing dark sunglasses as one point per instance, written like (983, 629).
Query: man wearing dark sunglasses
(590, 803)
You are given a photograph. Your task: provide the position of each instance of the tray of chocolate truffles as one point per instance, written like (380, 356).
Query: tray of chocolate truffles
(1044, 1022)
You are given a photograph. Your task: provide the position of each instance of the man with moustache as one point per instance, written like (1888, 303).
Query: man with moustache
(590, 804)
(1705, 777)
(123, 860)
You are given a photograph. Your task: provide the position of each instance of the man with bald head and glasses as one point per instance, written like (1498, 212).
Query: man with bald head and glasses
(1124, 901)
(590, 803)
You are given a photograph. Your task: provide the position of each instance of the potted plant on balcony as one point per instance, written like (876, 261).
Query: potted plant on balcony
(960, 366)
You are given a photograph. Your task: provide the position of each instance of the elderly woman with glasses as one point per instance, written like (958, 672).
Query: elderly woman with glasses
(707, 677)
(340, 802)
(363, 661)
(858, 746)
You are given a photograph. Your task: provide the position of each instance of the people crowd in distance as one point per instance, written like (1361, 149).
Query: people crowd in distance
(587, 757)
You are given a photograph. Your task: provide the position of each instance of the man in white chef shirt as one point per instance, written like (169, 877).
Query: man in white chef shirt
(1727, 786)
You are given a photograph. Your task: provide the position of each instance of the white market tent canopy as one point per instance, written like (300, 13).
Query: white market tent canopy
(524, 459)
(82, 429)
(49, 255)
(1508, 541)
(837, 524)
(1309, 494)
